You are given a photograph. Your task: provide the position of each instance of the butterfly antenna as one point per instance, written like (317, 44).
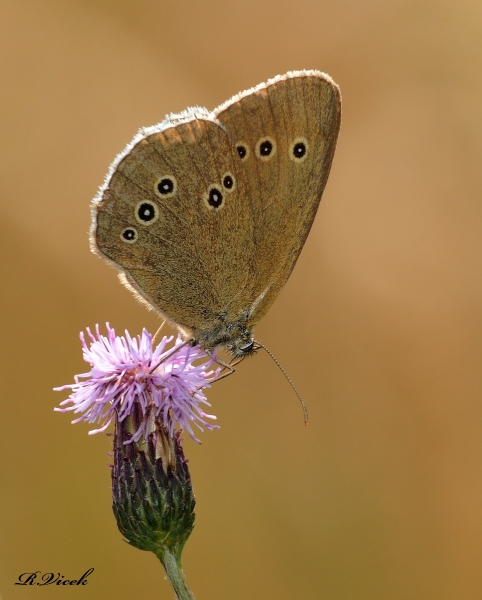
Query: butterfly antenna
(277, 363)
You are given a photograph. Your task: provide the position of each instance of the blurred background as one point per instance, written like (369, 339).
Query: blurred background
(380, 325)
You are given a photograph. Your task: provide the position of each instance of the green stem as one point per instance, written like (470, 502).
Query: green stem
(175, 574)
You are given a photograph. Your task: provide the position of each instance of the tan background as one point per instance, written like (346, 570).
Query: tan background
(379, 326)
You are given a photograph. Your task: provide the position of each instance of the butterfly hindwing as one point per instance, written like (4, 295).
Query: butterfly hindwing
(299, 115)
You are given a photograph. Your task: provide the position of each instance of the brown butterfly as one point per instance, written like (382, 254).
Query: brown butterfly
(206, 213)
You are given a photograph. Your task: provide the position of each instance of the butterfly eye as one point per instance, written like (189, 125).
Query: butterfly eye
(147, 212)
(299, 150)
(129, 235)
(266, 148)
(166, 186)
(228, 183)
(243, 150)
(214, 198)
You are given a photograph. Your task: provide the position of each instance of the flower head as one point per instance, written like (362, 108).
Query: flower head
(127, 372)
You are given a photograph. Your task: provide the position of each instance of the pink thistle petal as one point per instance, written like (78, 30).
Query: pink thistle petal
(127, 371)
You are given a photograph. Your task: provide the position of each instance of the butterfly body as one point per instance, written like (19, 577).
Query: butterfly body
(205, 214)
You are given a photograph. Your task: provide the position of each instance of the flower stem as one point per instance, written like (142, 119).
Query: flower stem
(175, 574)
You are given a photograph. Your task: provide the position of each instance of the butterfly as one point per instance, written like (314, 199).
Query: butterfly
(206, 213)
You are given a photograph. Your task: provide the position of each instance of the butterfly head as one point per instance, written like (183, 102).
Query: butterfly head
(243, 345)
(236, 337)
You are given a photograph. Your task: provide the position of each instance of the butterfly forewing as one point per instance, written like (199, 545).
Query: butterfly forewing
(193, 259)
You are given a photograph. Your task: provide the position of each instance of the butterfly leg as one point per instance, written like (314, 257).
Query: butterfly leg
(224, 375)
(229, 366)
(169, 354)
(236, 361)
(158, 331)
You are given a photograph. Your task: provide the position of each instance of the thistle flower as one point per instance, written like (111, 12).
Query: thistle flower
(151, 394)
(128, 371)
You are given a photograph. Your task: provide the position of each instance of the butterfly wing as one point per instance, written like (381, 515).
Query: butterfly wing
(174, 216)
(206, 213)
(285, 132)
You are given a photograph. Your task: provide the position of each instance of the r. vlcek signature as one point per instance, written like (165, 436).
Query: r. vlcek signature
(37, 578)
